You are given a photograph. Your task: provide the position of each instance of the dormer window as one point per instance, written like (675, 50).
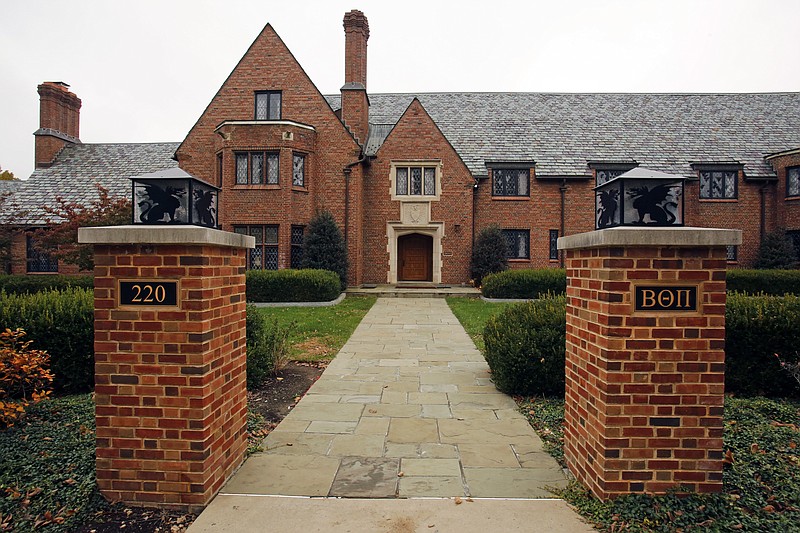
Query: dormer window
(718, 184)
(511, 181)
(605, 171)
(268, 105)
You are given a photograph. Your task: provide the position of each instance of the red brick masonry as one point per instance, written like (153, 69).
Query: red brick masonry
(170, 382)
(644, 390)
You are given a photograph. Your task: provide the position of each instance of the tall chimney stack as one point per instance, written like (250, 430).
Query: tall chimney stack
(59, 121)
(355, 102)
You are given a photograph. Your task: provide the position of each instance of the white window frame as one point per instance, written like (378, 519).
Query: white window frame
(435, 164)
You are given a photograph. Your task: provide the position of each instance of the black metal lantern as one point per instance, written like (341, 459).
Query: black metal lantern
(640, 197)
(173, 196)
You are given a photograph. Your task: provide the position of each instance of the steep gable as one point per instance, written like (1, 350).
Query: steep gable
(268, 65)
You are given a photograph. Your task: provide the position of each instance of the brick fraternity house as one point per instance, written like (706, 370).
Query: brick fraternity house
(412, 178)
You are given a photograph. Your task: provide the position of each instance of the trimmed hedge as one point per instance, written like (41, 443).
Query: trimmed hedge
(307, 285)
(525, 283)
(525, 347)
(758, 328)
(62, 323)
(25, 284)
(774, 282)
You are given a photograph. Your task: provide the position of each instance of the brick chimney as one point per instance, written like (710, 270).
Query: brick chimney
(355, 102)
(59, 121)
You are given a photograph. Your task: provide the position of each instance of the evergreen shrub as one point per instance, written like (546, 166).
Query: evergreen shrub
(324, 247)
(21, 284)
(525, 283)
(60, 323)
(267, 347)
(777, 251)
(757, 329)
(525, 346)
(774, 282)
(306, 285)
(489, 254)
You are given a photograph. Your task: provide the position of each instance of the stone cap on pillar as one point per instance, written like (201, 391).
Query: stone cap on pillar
(188, 235)
(665, 236)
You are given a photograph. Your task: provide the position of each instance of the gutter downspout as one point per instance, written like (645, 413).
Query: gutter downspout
(563, 191)
(347, 170)
(763, 224)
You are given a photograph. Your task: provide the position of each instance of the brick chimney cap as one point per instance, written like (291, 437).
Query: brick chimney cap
(355, 20)
(57, 83)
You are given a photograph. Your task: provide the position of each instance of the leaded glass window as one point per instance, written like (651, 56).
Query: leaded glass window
(518, 241)
(718, 184)
(402, 181)
(265, 253)
(604, 176)
(272, 169)
(430, 181)
(511, 181)
(241, 169)
(732, 253)
(793, 181)
(415, 181)
(553, 244)
(257, 168)
(298, 170)
(268, 105)
(39, 260)
(297, 245)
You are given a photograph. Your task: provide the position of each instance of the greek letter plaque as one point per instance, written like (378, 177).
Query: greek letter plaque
(141, 293)
(665, 298)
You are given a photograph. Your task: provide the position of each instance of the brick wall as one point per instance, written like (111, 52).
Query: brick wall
(644, 391)
(170, 383)
(787, 210)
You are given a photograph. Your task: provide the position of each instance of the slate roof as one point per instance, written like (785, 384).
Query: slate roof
(79, 166)
(561, 132)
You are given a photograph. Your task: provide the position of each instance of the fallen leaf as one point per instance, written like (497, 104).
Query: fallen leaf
(458, 500)
(431, 525)
(470, 500)
(728, 460)
(768, 509)
(279, 379)
(373, 411)
(69, 481)
(401, 474)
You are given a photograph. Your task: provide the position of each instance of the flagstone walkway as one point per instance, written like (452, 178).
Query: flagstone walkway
(406, 409)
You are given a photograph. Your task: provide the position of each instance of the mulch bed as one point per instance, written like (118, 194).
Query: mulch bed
(274, 400)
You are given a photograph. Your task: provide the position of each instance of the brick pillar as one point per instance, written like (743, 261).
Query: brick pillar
(169, 380)
(644, 388)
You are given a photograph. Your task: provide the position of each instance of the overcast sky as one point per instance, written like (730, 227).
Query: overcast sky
(146, 69)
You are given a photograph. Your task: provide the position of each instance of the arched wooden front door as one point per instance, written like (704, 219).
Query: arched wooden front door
(415, 257)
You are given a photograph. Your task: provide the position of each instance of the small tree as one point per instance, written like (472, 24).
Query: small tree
(776, 252)
(324, 246)
(490, 253)
(61, 238)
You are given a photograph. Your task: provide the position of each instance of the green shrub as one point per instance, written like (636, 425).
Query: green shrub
(776, 282)
(776, 251)
(61, 323)
(525, 283)
(324, 247)
(21, 284)
(489, 254)
(292, 285)
(267, 346)
(525, 347)
(757, 328)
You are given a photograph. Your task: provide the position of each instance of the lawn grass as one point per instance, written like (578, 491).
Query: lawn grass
(473, 313)
(320, 332)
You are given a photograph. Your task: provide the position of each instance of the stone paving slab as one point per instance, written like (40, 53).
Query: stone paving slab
(407, 409)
